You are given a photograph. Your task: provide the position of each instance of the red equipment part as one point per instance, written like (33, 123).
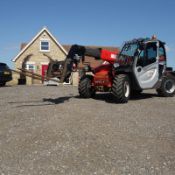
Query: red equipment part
(102, 75)
(77, 53)
(109, 56)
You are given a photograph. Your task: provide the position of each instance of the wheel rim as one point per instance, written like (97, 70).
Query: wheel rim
(169, 86)
(126, 89)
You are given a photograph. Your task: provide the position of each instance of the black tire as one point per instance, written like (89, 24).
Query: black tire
(85, 87)
(121, 88)
(2, 84)
(167, 88)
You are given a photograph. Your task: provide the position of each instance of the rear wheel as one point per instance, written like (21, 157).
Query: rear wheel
(85, 87)
(167, 88)
(121, 88)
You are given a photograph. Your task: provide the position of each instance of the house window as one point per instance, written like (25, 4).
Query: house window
(30, 67)
(44, 46)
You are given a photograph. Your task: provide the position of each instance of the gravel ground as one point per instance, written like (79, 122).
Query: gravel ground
(50, 130)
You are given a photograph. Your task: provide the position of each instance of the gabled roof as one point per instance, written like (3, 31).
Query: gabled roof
(30, 43)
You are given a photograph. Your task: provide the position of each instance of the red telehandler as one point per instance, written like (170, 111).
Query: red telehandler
(141, 64)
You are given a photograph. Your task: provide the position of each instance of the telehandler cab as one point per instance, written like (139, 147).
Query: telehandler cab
(141, 64)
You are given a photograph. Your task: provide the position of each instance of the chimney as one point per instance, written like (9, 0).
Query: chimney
(23, 45)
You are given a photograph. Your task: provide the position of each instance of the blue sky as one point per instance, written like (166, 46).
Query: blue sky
(88, 22)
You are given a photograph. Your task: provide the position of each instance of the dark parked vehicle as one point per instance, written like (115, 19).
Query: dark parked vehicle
(5, 74)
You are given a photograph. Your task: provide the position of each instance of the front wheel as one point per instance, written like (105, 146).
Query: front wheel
(167, 88)
(85, 87)
(121, 88)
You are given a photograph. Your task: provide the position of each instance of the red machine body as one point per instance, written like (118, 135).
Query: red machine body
(109, 56)
(103, 75)
(127, 73)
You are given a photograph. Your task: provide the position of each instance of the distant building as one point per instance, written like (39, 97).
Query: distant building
(35, 56)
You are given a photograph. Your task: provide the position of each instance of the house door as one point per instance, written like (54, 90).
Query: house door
(44, 70)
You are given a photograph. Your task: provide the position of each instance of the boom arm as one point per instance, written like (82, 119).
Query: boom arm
(77, 53)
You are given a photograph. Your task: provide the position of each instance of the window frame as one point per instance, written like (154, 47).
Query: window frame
(30, 64)
(162, 46)
(44, 40)
(144, 60)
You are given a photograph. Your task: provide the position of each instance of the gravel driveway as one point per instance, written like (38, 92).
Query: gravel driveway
(50, 130)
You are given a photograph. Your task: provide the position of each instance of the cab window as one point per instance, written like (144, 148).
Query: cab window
(147, 56)
(162, 56)
(141, 58)
(151, 53)
(161, 52)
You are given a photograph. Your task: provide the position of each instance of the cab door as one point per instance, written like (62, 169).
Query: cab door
(146, 66)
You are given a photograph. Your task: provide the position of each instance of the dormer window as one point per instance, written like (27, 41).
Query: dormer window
(44, 46)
